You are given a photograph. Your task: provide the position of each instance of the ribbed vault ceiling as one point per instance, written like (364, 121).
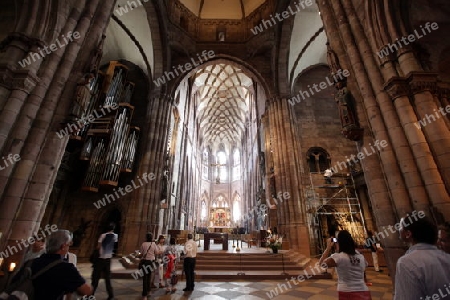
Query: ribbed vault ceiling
(222, 9)
(223, 95)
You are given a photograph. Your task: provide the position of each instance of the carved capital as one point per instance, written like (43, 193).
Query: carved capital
(420, 82)
(17, 79)
(397, 87)
(21, 41)
(443, 89)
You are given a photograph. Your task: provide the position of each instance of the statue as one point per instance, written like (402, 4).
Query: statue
(349, 122)
(96, 57)
(344, 99)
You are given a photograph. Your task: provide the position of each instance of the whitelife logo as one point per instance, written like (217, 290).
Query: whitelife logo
(340, 75)
(428, 117)
(281, 16)
(53, 47)
(130, 4)
(383, 234)
(83, 121)
(360, 155)
(128, 189)
(405, 40)
(12, 160)
(206, 56)
(11, 250)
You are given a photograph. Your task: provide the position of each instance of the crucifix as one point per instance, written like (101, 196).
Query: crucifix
(218, 171)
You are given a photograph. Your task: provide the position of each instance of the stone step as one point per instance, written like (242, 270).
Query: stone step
(225, 265)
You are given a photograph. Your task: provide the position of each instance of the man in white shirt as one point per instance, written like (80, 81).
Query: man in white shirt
(103, 264)
(327, 175)
(423, 272)
(190, 248)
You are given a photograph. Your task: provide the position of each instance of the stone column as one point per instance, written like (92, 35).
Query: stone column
(340, 24)
(27, 193)
(144, 206)
(420, 178)
(423, 86)
(291, 211)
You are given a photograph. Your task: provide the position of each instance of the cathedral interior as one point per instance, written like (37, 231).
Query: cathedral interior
(217, 115)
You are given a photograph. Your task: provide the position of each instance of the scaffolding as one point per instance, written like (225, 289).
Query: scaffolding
(333, 206)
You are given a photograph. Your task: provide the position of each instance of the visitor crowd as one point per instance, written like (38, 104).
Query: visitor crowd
(422, 273)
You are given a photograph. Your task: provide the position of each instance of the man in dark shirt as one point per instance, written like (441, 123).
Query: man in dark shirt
(62, 278)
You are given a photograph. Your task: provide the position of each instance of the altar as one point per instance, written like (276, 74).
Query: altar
(215, 235)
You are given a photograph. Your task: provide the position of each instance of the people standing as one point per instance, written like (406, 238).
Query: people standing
(148, 250)
(190, 249)
(423, 271)
(103, 263)
(172, 257)
(160, 248)
(71, 258)
(371, 244)
(350, 266)
(62, 277)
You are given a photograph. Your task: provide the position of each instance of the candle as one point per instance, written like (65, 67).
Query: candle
(12, 266)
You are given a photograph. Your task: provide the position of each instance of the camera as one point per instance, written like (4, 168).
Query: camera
(334, 240)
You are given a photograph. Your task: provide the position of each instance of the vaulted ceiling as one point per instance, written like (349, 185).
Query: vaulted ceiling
(222, 93)
(222, 9)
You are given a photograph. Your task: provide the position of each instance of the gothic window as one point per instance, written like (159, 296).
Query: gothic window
(236, 165)
(236, 208)
(203, 211)
(220, 202)
(205, 161)
(318, 160)
(221, 171)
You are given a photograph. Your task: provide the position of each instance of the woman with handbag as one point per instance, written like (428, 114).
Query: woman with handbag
(170, 275)
(147, 263)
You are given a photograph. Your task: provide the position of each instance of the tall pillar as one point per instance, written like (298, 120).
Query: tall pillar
(383, 175)
(143, 213)
(420, 170)
(291, 211)
(25, 195)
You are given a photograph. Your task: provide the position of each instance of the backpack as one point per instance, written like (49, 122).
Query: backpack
(23, 288)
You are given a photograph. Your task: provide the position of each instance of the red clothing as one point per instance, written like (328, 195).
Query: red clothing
(170, 266)
(365, 295)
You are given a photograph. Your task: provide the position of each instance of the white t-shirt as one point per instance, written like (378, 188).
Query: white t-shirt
(107, 250)
(350, 275)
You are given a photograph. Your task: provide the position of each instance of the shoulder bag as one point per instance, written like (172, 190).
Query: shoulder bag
(141, 262)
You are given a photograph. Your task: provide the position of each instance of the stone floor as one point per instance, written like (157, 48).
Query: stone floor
(321, 289)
